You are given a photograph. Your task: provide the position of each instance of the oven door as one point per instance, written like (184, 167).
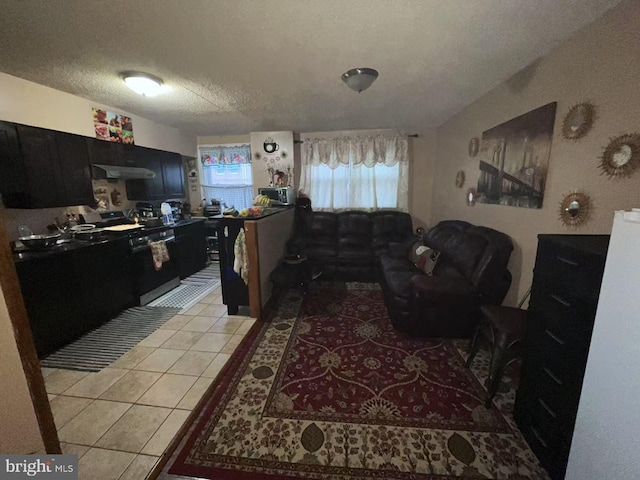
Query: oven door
(149, 282)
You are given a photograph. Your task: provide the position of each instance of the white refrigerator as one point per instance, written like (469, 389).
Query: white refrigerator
(606, 440)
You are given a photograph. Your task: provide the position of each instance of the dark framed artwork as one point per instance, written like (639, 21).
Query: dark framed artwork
(514, 159)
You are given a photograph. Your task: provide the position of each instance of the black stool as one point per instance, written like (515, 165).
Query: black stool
(293, 271)
(504, 328)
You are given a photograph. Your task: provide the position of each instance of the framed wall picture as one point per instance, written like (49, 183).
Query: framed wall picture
(514, 159)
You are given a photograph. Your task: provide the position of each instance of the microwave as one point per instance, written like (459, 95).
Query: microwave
(278, 195)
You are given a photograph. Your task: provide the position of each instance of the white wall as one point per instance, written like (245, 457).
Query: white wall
(29, 103)
(280, 160)
(605, 441)
(19, 430)
(600, 64)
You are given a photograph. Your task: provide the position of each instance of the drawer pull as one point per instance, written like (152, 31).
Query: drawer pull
(560, 300)
(567, 261)
(552, 375)
(535, 432)
(554, 337)
(544, 405)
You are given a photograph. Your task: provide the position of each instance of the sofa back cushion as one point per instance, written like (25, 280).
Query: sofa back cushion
(479, 254)
(390, 227)
(323, 229)
(354, 230)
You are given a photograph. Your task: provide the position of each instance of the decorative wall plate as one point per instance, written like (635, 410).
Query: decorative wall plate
(578, 121)
(460, 179)
(622, 156)
(574, 209)
(474, 146)
(471, 197)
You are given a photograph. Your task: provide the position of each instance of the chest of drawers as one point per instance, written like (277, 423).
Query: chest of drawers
(564, 296)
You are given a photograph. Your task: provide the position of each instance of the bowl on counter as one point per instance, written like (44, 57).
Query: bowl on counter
(39, 242)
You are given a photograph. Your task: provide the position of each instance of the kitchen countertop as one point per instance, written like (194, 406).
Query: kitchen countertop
(23, 254)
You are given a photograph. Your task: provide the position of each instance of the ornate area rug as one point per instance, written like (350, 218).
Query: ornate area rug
(328, 389)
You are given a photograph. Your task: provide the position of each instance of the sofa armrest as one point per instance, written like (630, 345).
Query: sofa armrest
(431, 290)
(401, 249)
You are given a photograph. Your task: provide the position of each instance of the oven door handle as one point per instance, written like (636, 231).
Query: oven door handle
(145, 246)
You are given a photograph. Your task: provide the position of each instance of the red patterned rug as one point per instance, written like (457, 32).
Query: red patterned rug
(328, 389)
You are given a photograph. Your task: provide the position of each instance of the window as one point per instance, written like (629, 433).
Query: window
(226, 174)
(356, 172)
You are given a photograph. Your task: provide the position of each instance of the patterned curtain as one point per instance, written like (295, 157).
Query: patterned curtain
(221, 155)
(361, 172)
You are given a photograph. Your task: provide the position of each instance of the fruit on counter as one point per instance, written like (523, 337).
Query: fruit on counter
(262, 200)
(230, 212)
(244, 212)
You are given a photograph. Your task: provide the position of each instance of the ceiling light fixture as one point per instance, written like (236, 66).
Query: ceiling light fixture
(359, 79)
(143, 83)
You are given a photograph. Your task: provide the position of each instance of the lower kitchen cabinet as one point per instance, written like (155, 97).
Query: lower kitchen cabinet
(191, 248)
(71, 293)
(564, 296)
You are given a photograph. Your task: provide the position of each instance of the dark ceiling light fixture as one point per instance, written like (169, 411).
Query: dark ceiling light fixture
(359, 79)
(143, 84)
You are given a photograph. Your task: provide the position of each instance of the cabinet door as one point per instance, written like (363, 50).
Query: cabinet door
(102, 152)
(147, 189)
(41, 163)
(13, 177)
(75, 168)
(128, 155)
(172, 175)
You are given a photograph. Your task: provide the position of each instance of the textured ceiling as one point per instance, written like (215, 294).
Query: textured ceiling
(236, 66)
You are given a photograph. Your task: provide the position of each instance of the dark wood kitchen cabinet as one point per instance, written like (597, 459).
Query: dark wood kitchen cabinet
(168, 182)
(102, 152)
(43, 168)
(70, 293)
(564, 296)
(191, 247)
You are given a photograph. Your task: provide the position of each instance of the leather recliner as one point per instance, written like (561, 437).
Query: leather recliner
(471, 271)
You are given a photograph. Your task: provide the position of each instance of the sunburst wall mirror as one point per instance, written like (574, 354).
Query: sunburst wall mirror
(622, 156)
(578, 121)
(574, 209)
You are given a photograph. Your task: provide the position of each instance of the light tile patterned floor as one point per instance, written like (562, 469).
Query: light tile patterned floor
(120, 420)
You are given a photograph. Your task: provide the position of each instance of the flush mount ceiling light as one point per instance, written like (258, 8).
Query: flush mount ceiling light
(359, 79)
(143, 83)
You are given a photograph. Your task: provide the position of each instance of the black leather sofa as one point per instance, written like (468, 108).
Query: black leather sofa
(346, 245)
(471, 271)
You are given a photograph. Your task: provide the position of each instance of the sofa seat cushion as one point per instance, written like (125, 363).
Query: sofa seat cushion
(399, 282)
(389, 263)
(357, 254)
(321, 251)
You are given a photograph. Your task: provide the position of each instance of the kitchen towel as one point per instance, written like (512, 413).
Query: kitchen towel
(159, 253)
(241, 261)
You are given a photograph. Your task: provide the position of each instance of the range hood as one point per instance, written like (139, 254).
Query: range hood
(114, 171)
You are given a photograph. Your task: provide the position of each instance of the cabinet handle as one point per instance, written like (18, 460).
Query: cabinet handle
(560, 300)
(554, 338)
(567, 261)
(544, 405)
(552, 375)
(535, 432)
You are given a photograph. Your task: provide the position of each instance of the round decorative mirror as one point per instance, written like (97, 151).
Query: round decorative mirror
(622, 156)
(574, 209)
(578, 121)
(471, 197)
(460, 179)
(474, 145)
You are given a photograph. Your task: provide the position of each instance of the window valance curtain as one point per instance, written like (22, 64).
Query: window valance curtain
(367, 150)
(356, 172)
(223, 155)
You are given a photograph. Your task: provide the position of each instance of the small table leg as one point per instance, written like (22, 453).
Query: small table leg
(232, 309)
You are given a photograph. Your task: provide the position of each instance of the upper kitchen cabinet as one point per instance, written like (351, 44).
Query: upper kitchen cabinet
(102, 152)
(45, 168)
(172, 175)
(75, 169)
(169, 180)
(12, 174)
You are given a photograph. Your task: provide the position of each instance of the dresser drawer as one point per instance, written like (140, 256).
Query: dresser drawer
(574, 270)
(562, 316)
